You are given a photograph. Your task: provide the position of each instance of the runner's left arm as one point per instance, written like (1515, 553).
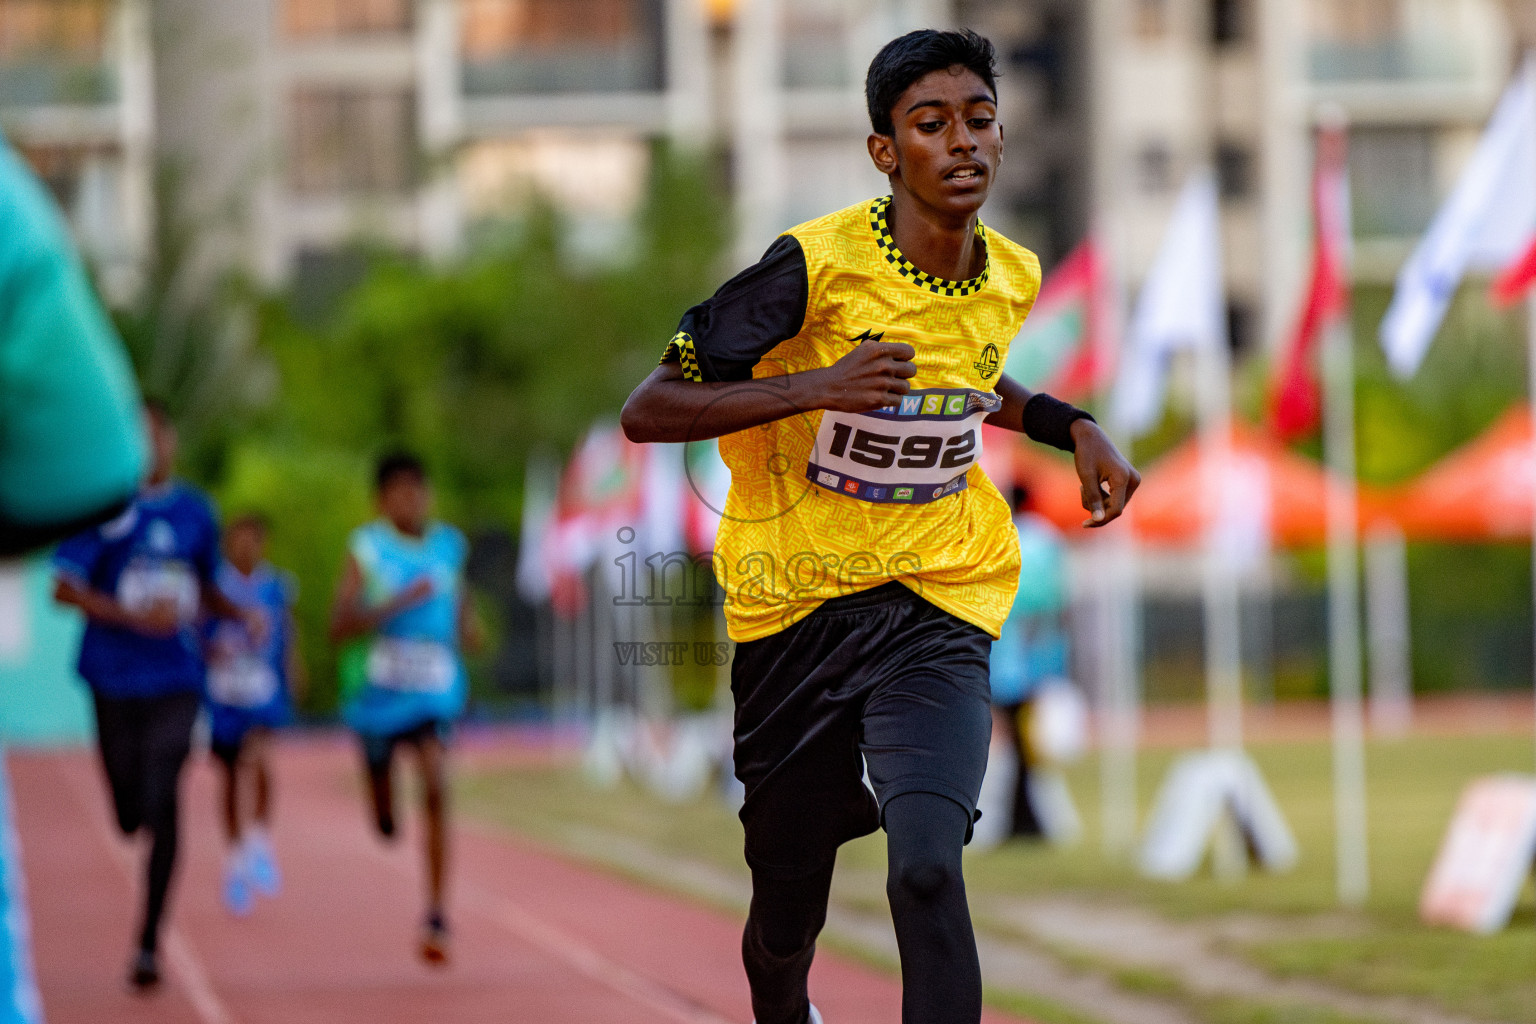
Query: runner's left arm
(1108, 480)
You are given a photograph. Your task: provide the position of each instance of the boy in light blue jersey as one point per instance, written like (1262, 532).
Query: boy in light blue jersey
(250, 691)
(403, 590)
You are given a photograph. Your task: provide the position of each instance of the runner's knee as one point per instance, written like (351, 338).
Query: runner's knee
(926, 834)
(923, 878)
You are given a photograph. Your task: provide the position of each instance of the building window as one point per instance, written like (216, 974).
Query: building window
(1151, 19)
(1234, 170)
(53, 51)
(1242, 326)
(1229, 22)
(321, 19)
(71, 29)
(352, 140)
(551, 46)
(1154, 167)
(1392, 180)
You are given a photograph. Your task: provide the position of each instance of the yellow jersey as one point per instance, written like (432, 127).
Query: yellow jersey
(823, 504)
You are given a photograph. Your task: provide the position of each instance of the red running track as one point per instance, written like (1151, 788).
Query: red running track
(536, 937)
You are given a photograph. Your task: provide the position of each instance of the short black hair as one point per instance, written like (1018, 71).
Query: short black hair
(907, 58)
(397, 463)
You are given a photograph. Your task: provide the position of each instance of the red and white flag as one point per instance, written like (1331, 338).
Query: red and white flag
(1067, 346)
(1296, 403)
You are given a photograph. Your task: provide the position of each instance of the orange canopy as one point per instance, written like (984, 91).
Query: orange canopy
(1170, 507)
(1482, 491)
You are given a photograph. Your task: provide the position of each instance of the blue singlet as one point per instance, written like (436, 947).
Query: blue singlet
(414, 674)
(164, 547)
(247, 684)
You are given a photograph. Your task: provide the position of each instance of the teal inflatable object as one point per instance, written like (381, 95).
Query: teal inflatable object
(71, 437)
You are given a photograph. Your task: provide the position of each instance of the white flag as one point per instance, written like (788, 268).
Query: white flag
(1485, 224)
(1181, 306)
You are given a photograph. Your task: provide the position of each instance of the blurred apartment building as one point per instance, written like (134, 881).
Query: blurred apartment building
(276, 134)
(1166, 86)
(76, 98)
(289, 129)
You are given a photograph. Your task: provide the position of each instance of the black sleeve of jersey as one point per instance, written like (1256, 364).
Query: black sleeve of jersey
(723, 337)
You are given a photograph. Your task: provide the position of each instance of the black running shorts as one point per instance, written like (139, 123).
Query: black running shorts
(378, 751)
(881, 678)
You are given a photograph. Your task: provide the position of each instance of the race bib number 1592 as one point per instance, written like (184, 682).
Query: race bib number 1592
(910, 453)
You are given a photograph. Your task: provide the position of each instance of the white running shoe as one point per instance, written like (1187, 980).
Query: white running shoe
(238, 896)
(261, 865)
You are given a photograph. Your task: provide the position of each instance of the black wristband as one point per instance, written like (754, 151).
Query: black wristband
(1049, 421)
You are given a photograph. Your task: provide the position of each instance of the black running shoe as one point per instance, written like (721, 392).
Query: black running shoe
(434, 940)
(144, 973)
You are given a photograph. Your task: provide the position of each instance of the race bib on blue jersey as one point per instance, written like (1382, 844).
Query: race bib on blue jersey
(411, 666)
(911, 453)
(242, 680)
(146, 582)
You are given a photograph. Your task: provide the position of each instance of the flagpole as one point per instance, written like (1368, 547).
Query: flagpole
(1530, 333)
(1346, 706)
(1118, 569)
(1223, 626)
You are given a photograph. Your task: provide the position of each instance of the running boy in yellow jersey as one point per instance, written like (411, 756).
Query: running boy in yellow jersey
(867, 560)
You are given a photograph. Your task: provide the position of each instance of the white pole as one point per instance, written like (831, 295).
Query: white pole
(1118, 569)
(1530, 329)
(1349, 808)
(1353, 875)
(1223, 627)
(1387, 632)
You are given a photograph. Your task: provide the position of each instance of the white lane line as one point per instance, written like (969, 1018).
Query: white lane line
(510, 917)
(184, 962)
(638, 987)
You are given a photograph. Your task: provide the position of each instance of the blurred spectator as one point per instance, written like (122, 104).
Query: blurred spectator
(1031, 650)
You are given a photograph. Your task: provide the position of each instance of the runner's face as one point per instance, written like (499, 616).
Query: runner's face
(947, 145)
(405, 501)
(243, 546)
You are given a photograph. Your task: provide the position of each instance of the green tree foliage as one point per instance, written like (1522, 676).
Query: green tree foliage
(474, 365)
(520, 346)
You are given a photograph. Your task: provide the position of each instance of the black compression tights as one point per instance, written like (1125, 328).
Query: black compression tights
(941, 979)
(144, 742)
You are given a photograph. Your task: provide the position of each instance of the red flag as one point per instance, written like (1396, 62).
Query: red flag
(1516, 279)
(1296, 397)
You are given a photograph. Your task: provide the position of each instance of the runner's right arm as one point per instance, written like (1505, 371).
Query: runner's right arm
(159, 619)
(720, 341)
(352, 617)
(668, 407)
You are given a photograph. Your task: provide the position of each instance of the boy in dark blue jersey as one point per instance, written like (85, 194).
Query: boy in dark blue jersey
(142, 580)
